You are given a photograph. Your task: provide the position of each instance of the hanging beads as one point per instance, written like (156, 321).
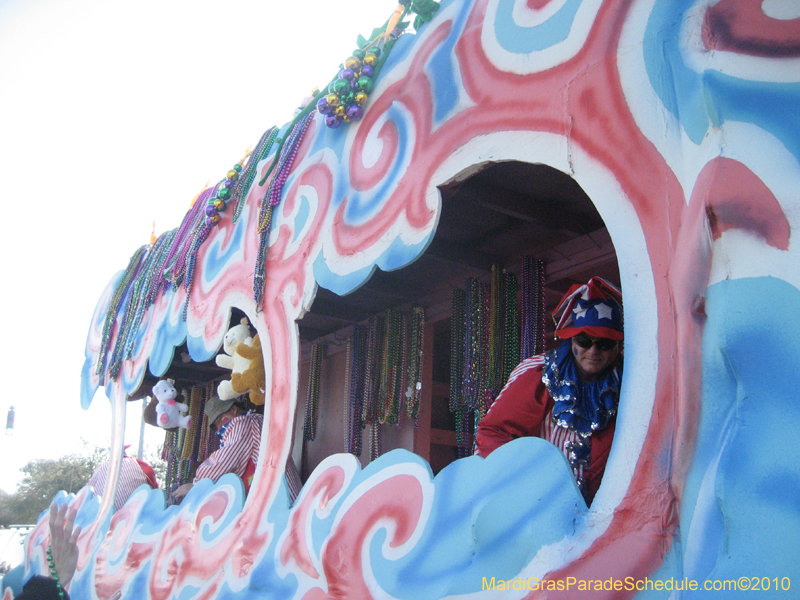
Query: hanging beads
(511, 346)
(533, 320)
(249, 171)
(415, 356)
(375, 441)
(117, 301)
(393, 367)
(540, 312)
(372, 376)
(354, 396)
(457, 349)
(283, 163)
(474, 342)
(484, 348)
(312, 398)
(494, 372)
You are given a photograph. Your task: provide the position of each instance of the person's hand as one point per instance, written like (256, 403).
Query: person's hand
(64, 542)
(182, 491)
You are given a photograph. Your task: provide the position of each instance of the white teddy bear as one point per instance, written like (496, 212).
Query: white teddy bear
(238, 334)
(168, 410)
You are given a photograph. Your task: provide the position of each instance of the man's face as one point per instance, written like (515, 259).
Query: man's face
(593, 356)
(225, 417)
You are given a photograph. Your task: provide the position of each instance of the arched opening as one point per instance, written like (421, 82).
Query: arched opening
(187, 446)
(491, 214)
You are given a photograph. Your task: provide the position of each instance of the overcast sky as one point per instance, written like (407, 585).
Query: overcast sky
(112, 116)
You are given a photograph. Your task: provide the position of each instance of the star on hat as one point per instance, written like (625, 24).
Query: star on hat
(580, 311)
(603, 310)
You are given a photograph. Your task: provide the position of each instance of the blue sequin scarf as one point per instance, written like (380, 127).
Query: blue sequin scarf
(582, 407)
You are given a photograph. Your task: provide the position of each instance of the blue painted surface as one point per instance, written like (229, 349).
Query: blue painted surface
(336, 283)
(741, 514)
(443, 68)
(303, 213)
(489, 518)
(217, 259)
(363, 205)
(771, 106)
(679, 88)
(699, 100)
(523, 40)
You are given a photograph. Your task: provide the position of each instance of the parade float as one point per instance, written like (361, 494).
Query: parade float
(396, 248)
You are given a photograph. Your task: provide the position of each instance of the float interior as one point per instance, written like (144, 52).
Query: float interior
(495, 215)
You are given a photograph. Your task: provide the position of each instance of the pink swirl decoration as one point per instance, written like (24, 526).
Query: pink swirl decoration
(398, 500)
(295, 548)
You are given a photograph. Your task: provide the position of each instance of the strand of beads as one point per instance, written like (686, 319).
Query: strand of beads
(528, 345)
(179, 448)
(347, 420)
(540, 311)
(375, 328)
(349, 92)
(53, 572)
(195, 400)
(414, 377)
(393, 367)
(272, 197)
(486, 396)
(207, 439)
(533, 319)
(312, 397)
(199, 237)
(400, 369)
(375, 441)
(175, 265)
(289, 149)
(135, 300)
(117, 301)
(457, 349)
(463, 428)
(140, 294)
(503, 335)
(249, 171)
(353, 444)
(511, 344)
(496, 299)
(474, 342)
(167, 457)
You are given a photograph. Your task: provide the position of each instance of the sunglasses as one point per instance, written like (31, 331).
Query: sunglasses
(603, 344)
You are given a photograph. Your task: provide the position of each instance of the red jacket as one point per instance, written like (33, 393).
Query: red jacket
(519, 411)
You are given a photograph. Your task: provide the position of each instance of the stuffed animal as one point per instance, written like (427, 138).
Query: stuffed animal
(243, 356)
(238, 334)
(168, 410)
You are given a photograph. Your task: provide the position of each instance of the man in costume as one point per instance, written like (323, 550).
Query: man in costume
(568, 396)
(240, 438)
(133, 473)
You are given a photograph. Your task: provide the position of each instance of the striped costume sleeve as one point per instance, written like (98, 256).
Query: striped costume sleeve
(240, 443)
(131, 477)
(518, 410)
